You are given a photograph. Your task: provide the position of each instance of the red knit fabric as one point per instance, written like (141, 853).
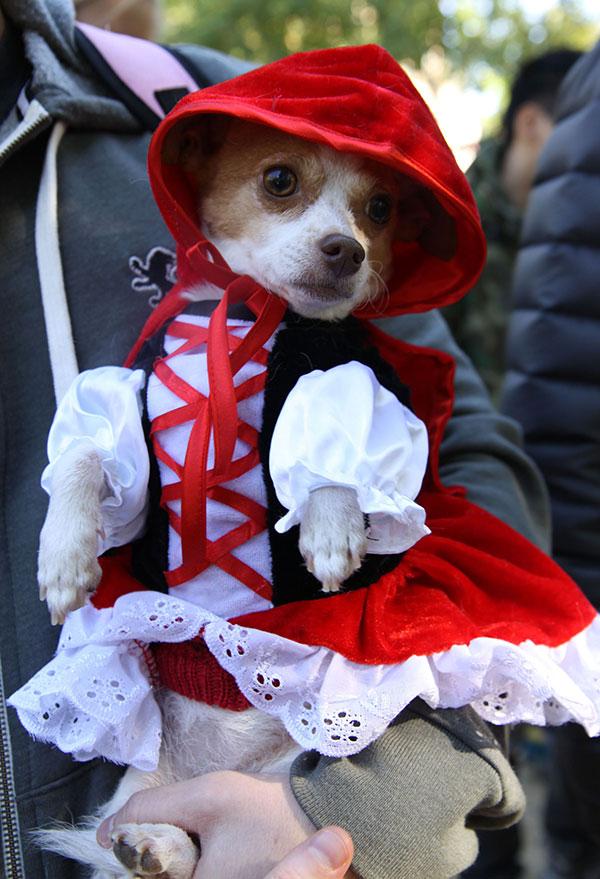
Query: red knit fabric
(190, 669)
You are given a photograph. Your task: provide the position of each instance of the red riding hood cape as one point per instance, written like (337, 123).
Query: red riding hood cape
(474, 613)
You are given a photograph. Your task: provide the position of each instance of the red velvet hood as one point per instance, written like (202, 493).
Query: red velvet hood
(356, 100)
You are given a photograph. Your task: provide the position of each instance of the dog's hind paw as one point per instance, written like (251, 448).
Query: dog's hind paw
(160, 850)
(333, 541)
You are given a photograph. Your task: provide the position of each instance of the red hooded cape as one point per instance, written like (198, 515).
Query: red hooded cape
(473, 576)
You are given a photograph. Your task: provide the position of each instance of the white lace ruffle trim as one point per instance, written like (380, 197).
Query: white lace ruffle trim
(95, 697)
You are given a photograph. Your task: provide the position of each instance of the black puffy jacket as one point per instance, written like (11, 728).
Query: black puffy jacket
(553, 354)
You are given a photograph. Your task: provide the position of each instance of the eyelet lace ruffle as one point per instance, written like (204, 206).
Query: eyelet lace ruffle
(95, 698)
(338, 707)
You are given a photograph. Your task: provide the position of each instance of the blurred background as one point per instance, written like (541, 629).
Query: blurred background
(462, 54)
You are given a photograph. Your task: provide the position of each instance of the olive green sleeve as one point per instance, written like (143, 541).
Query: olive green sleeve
(414, 798)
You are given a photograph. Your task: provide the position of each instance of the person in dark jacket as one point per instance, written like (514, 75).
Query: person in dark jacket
(553, 388)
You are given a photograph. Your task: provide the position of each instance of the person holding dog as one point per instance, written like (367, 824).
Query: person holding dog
(108, 230)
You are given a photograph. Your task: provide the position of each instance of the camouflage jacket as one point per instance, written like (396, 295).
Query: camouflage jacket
(479, 321)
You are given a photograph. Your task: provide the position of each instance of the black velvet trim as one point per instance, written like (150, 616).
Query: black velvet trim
(150, 553)
(300, 347)
(205, 307)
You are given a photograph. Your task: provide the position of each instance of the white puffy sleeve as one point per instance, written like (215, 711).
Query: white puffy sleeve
(102, 411)
(341, 427)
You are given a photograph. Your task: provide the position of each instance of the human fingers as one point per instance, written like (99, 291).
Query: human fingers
(182, 803)
(326, 854)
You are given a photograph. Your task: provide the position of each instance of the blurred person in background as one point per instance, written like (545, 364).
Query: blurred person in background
(553, 388)
(501, 178)
(138, 18)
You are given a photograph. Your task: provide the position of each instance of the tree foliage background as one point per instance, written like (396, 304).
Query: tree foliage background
(483, 39)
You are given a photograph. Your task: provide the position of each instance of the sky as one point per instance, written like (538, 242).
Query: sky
(536, 8)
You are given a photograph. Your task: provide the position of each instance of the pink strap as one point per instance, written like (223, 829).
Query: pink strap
(142, 66)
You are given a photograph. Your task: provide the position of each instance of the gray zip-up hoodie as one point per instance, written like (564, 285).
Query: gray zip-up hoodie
(76, 213)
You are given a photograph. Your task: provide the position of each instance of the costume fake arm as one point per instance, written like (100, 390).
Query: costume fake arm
(342, 428)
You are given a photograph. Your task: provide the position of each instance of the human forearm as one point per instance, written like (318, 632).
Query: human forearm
(388, 796)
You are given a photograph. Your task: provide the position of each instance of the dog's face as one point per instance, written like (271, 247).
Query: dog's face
(309, 223)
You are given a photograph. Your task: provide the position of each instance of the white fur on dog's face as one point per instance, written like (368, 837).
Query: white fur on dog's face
(278, 240)
(280, 248)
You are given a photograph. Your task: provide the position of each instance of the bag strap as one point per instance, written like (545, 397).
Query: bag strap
(149, 78)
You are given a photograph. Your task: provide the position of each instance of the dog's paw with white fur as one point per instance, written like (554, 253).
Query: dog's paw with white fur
(155, 850)
(333, 541)
(68, 569)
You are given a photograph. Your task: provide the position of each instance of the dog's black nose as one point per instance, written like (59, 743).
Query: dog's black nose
(343, 255)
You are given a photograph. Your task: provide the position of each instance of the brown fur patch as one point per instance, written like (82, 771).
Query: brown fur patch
(380, 181)
(225, 160)
(229, 182)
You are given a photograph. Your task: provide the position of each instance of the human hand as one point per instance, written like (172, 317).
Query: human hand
(248, 826)
(324, 855)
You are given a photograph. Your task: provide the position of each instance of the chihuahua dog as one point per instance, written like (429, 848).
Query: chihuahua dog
(315, 227)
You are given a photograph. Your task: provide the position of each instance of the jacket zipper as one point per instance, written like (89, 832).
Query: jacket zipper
(9, 817)
(36, 118)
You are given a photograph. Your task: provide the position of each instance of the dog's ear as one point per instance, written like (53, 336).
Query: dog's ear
(190, 143)
(215, 127)
(422, 218)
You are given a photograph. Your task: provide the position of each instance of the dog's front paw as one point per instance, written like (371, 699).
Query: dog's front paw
(68, 569)
(333, 541)
(155, 850)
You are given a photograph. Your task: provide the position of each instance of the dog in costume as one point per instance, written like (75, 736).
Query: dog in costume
(241, 588)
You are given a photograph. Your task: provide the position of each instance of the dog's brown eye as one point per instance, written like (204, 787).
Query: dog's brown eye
(280, 181)
(379, 209)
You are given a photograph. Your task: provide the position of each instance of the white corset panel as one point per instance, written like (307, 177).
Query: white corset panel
(214, 589)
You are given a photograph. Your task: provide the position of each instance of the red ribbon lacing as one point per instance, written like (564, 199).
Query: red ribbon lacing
(215, 415)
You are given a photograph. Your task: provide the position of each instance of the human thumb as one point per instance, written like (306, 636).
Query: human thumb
(326, 854)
